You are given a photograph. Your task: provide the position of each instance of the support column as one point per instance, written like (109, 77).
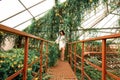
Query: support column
(70, 53)
(75, 58)
(46, 57)
(104, 59)
(41, 58)
(25, 58)
(82, 62)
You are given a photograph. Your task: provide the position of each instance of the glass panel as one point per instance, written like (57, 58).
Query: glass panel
(29, 3)
(92, 19)
(89, 23)
(9, 8)
(23, 26)
(41, 15)
(109, 21)
(12, 22)
(42, 7)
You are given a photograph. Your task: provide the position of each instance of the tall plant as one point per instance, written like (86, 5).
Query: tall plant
(66, 16)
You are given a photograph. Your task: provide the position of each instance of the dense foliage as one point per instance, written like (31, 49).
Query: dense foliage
(54, 55)
(66, 16)
(12, 61)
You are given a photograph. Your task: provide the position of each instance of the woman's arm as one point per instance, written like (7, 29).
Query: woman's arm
(57, 40)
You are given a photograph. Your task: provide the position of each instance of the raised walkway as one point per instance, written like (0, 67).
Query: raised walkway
(62, 71)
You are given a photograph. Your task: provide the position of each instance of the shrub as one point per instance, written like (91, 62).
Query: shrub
(53, 55)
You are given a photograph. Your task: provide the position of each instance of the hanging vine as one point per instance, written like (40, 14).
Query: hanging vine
(66, 16)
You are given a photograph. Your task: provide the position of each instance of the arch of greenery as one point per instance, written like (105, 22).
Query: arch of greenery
(67, 16)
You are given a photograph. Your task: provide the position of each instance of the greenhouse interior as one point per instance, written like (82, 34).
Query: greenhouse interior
(59, 40)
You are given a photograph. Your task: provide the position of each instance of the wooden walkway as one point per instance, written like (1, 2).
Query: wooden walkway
(62, 71)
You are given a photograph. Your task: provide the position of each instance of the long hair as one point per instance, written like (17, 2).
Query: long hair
(62, 32)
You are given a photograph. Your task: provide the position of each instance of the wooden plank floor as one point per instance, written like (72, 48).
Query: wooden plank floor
(62, 71)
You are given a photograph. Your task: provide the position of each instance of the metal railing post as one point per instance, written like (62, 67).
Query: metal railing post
(75, 58)
(41, 58)
(46, 57)
(70, 51)
(25, 58)
(82, 61)
(104, 59)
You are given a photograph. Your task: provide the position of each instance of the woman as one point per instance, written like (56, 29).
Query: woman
(61, 40)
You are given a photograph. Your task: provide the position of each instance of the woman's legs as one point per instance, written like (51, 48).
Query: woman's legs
(62, 53)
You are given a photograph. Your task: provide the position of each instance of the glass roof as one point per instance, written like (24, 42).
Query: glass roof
(100, 23)
(18, 14)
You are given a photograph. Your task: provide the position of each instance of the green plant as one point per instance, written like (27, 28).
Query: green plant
(46, 76)
(53, 55)
(12, 61)
(93, 73)
(66, 16)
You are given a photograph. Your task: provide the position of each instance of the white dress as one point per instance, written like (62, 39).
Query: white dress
(61, 40)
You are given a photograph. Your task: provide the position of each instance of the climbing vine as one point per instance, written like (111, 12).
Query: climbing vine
(66, 16)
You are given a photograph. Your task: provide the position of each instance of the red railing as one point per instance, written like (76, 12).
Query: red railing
(72, 52)
(26, 48)
(75, 61)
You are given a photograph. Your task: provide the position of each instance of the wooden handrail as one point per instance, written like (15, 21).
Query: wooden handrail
(15, 74)
(91, 52)
(26, 48)
(98, 38)
(103, 55)
(14, 31)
